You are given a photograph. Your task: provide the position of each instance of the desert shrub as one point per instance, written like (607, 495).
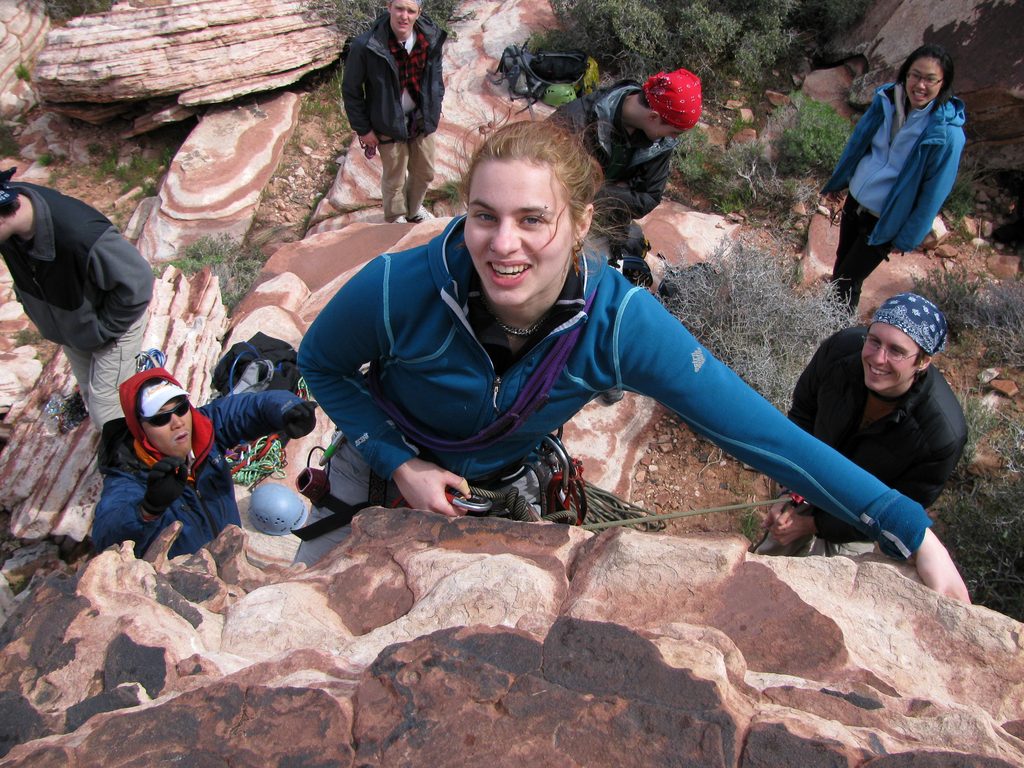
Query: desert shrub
(717, 40)
(981, 422)
(8, 143)
(138, 170)
(62, 10)
(744, 306)
(999, 318)
(694, 157)
(354, 16)
(812, 139)
(984, 528)
(743, 178)
(955, 292)
(822, 19)
(236, 267)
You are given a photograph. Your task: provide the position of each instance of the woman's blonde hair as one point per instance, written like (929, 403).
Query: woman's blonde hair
(543, 143)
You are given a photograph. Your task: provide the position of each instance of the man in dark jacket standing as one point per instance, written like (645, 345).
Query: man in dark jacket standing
(82, 284)
(393, 89)
(873, 395)
(164, 461)
(632, 131)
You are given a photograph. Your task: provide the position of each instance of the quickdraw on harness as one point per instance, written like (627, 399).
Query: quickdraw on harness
(561, 496)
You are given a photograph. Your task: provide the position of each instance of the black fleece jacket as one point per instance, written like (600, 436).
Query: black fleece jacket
(914, 449)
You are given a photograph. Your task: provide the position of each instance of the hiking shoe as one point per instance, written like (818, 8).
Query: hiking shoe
(399, 220)
(421, 215)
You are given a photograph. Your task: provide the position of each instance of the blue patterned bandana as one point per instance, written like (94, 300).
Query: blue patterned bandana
(8, 194)
(918, 318)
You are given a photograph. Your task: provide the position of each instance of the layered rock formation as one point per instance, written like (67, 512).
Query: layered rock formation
(217, 178)
(428, 641)
(982, 39)
(181, 52)
(22, 34)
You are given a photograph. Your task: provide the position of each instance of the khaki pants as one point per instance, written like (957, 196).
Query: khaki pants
(408, 171)
(100, 373)
(812, 545)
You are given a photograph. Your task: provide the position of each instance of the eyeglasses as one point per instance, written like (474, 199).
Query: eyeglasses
(873, 345)
(164, 417)
(929, 80)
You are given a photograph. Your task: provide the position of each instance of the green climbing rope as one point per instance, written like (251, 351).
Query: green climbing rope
(261, 459)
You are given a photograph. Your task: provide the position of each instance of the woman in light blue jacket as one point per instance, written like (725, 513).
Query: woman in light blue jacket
(899, 165)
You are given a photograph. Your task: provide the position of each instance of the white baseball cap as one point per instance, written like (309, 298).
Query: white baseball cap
(156, 395)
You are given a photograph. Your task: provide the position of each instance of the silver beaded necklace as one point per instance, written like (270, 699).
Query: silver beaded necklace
(511, 330)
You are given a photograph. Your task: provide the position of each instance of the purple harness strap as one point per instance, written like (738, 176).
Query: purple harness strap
(530, 399)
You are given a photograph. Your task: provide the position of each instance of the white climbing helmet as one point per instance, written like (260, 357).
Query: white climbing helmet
(276, 510)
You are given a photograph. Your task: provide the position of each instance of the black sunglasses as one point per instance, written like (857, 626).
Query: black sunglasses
(159, 419)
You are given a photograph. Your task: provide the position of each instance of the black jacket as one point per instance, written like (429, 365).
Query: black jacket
(79, 280)
(370, 88)
(914, 449)
(647, 172)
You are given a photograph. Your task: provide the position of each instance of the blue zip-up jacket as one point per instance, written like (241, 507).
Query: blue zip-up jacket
(927, 176)
(408, 311)
(204, 508)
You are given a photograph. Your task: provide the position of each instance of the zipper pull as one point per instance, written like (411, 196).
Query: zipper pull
(497, 386)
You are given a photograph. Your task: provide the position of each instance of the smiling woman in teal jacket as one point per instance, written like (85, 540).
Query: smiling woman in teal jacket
(455, 330)
(899, 165)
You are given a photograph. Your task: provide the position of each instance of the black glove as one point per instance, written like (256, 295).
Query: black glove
(166, 482)
(300, 419)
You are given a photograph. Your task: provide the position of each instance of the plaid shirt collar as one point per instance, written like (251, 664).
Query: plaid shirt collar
(410, 64)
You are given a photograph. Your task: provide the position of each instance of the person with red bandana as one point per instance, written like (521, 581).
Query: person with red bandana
(632, 130)
(164, 461)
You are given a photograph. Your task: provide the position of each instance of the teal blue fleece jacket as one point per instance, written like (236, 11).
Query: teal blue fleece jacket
(408, 312)
(927, 176)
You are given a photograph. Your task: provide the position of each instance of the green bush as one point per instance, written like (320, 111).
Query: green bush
(693, 157)
(743, 304)
(8, 144)
(236, 267)
(812, 139)
(717, 40)
(822, 19)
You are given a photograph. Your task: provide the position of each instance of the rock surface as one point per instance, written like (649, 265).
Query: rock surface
(428, 641)
(23, 28)
(989, 68)
(217, 178)
(185, 52)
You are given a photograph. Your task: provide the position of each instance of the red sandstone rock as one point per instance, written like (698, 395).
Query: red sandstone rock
(203, 52)
(428, 641)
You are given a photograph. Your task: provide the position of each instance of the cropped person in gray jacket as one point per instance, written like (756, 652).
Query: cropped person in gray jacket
(82, 284)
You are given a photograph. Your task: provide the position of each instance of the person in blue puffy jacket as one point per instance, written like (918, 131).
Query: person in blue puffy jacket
(899, 165)
(164, 461)
(456, 332)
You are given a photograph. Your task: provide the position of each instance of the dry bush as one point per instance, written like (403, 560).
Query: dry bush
(743, 304)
